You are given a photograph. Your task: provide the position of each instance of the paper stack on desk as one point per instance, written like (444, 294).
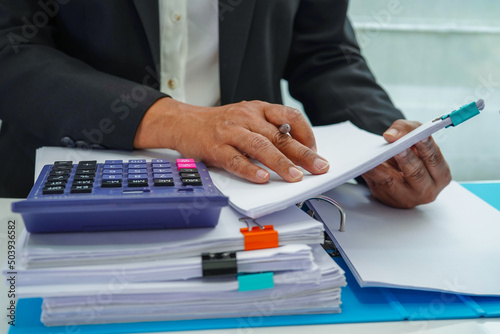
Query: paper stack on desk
(160, 275)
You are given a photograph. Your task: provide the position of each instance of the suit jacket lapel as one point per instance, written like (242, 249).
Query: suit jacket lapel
(234, 25)
(148, 13)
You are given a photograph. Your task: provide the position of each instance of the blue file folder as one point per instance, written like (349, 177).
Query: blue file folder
(358, 305)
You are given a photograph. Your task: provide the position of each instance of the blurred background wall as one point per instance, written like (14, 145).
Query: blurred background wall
(433, 56)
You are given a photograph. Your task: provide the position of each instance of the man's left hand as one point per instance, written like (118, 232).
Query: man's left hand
(414, 176)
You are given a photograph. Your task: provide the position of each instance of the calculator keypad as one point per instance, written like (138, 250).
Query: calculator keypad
(87, 176)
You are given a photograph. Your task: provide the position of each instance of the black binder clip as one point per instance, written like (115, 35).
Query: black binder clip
(332, 202)
(217, 264)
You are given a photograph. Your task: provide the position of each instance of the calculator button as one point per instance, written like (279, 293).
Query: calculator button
(162, 170)
(191, 182)
(55, 183)
(59, 172)
(162, 175)
(137, 176)
(138, 182)
(62, 167)
(112, 166)
(78, 189)
(87, 164)
(83, 182)
(53, 190)
(85, 171)
(57, 178)
(164, 182)
(188, 170)
(185, 161)
(111, 183)
(137, 171)
(113, 162)
(58, 163)
(190, 175)
(161, 165)
(137, 166)
(112, 177)
(112, 171)
(137, 161)
(84, 177)
(160, 161)
(182, 166)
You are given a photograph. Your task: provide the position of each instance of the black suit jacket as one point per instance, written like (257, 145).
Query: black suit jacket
(84, 72)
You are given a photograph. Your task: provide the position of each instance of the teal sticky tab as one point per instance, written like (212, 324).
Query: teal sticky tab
(249, 282)
(464, 113)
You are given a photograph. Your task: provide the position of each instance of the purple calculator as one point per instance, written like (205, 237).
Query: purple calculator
(117, 195)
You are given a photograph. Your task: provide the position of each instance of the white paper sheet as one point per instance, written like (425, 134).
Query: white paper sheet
(450, 245)
(285, 258)
(350, 151)
(62, 249)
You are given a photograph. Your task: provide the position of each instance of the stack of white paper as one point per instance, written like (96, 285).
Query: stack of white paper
(295, 292)
(157, 275)
(285, 258)
(68, 249)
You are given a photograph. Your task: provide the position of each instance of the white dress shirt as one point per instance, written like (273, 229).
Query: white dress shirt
(189, 51)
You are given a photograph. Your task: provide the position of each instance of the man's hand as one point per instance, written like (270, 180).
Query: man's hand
(413, 177)
(225, 136)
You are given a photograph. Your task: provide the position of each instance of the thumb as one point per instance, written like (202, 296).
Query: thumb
(399, 128)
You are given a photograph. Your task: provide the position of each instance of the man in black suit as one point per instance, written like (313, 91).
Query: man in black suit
(85, 73)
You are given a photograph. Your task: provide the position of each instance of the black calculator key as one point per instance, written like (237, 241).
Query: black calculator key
(85, 171)
(191, 182)
(87, 164)
(190, 175)
(57, 177)
(59, 172)
(188, 170)
(83, 182)
(138, 182)
(62, 167)
(55, 183)
(84, 177)
(80, 189)
(59, 163)
(164, 182)
(53, 190)
(111, 183)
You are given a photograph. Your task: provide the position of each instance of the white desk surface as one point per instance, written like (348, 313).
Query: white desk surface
(472, 326)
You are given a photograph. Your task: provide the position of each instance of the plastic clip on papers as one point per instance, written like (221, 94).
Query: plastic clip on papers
(259, 237)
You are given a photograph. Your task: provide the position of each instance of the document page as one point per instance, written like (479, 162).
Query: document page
(449, 245)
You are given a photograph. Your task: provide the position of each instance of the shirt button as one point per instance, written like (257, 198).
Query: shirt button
(175, 16)
(173, 83)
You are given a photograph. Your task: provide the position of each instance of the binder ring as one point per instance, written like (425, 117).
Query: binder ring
(334, 203)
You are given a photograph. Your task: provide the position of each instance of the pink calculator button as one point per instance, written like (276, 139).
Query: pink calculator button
(191, 165)
(185, 161)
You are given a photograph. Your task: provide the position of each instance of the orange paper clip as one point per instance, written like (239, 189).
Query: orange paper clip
(260, 237)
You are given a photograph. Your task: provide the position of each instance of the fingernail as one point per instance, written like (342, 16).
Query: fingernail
(314, 148)
(391, 132)
(295, 173)
(321, 164)
(403, 154)
(262, 174)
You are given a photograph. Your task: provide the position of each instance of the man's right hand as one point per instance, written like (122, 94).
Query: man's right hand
(225, 136)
